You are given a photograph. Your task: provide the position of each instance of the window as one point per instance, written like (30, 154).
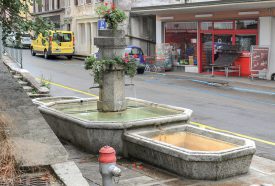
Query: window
(246, 24)
(206, 26)
(62, 37)
(245, 41)
(58, 4)
(39, 7)
(34, 7)
(81, 2)
(223, 25)
(75, 2)
(88, 1)
(47, 5)
(53, 1)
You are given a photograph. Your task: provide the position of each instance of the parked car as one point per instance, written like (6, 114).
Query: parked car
(26, 40)
(54, 43)
(18, 40)
(136, 53)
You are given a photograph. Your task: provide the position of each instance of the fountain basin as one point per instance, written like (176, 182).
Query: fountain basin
(191, 152)
(79, 122)
(50, 100)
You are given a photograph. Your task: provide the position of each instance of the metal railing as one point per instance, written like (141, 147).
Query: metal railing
(15, 54)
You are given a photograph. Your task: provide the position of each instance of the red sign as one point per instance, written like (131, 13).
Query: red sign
(259, 58)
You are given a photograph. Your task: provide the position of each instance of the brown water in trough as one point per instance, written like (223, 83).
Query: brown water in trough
(194, 142)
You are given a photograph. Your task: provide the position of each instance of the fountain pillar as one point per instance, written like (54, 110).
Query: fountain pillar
(111, 43)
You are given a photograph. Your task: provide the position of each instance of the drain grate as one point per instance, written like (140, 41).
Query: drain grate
(30, 181)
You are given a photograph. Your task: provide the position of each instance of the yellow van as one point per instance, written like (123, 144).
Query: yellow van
(54, 43)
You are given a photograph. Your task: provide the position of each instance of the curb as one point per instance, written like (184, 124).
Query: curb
(69, 174)
(230, 84)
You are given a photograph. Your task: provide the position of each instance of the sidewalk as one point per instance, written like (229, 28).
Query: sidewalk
(242, 82)
(136, 173)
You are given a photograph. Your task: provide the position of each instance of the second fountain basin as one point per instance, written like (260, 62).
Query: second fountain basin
(191, 151)
(79, 121)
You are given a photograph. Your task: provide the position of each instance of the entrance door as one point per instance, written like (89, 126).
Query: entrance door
(221, 41)
(206, 51)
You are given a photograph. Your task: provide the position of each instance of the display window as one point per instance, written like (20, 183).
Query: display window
(182, 36)
(216, 35)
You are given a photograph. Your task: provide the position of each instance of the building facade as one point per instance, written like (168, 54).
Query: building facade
(80, 17)
(196, 29)
(52, 10)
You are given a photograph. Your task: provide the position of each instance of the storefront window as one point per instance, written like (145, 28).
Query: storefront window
(182, 36)
(246, 24)
(206, 25)
(245, 41)
(223, 25)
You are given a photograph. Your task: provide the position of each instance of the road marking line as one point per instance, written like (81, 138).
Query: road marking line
(233, 133)
(68, 88)
(194, 123)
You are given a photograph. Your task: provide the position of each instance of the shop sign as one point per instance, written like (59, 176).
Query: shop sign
(259, 58)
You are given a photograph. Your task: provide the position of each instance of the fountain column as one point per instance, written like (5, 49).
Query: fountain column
(111, 43)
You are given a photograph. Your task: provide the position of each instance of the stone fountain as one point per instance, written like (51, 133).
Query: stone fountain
(156, 133)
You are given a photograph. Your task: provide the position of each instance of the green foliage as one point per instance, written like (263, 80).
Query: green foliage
(112, 15)
(15, 17)
(98, 67)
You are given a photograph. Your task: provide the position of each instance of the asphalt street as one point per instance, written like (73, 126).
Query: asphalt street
(243, 113)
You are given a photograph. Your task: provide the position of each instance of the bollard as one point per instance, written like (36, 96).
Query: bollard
(107, 165)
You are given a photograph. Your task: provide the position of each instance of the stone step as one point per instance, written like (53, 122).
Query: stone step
(27, 88)
(35, 95)
(17, 76)
(23, 83)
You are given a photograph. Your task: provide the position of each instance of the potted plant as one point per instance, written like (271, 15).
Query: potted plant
(99, 67)
(112, 15)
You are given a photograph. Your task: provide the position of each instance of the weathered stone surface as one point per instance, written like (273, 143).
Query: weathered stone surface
(111, 43)
(111, 92)
(209, 165)
(92, 135)
(111, 33)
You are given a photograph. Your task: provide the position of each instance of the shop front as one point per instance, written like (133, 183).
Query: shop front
(216, 36)
(203, 33)
(197, 45)
(182, 36)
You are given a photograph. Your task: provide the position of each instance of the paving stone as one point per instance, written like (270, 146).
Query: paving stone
(22, 82)
(27, 88)
(18, 76)
(69, 174)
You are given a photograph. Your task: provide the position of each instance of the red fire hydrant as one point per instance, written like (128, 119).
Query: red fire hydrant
(107, 165)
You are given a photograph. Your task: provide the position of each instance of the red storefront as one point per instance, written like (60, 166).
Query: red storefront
(215, 34)
(200, 43)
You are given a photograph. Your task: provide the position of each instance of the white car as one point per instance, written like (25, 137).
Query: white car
(26, 40)
(13, 40)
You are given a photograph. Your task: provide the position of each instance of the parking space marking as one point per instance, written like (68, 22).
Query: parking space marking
(233, 133)
(194, 123)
